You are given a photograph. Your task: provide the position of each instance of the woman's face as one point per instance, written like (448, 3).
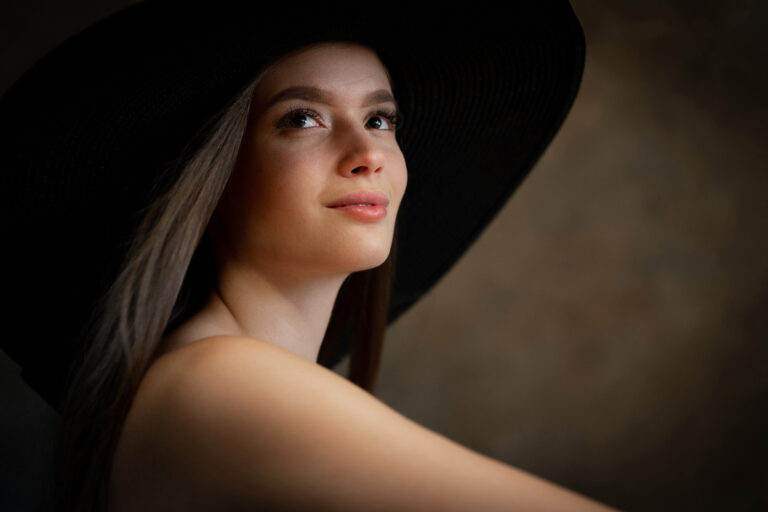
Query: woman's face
(307, 148)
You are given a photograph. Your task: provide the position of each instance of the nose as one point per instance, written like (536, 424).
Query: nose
(362, 153)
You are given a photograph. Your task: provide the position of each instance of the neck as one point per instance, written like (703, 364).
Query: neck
(270, 305)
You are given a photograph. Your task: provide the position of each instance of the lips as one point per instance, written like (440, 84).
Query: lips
(361, 197)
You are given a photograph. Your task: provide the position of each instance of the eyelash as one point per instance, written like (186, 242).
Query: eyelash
(393, 117)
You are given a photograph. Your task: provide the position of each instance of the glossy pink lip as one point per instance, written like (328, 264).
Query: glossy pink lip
(364, 197)
(365, 213)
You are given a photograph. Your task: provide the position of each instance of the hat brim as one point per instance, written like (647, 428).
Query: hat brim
(85, 132)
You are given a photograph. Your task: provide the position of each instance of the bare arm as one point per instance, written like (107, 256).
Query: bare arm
(239, 424)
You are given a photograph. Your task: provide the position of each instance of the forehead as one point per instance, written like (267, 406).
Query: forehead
(347, 71)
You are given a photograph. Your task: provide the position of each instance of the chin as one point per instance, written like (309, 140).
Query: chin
(358, 260)
(377, 263)
(369, 262)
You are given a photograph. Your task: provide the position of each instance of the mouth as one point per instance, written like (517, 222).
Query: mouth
(363, 212)
(361, 198)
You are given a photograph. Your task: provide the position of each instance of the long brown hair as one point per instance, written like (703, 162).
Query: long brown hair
(165, 276)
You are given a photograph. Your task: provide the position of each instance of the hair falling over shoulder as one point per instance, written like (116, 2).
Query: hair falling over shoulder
(163, 280)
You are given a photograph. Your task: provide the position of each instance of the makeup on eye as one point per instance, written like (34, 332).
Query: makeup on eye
(392, 117)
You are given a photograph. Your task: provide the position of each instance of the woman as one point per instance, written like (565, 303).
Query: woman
(254, 253)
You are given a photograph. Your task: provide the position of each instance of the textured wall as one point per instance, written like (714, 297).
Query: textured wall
(607, 331)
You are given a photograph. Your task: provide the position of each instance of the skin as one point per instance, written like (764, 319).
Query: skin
(243, 418)
(282, 255)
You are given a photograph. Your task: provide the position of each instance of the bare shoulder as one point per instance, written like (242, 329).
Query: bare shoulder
(214, 418)
(233, 364)
(232, 423)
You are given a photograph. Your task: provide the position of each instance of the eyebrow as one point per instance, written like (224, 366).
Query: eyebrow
(318, 95)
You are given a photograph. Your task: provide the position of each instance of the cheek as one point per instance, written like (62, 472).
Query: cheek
(280, 159)
(400, 178)
(274, 174)
(284, 190)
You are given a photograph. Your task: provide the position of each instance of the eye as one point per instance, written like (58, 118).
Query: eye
(298, 118)
(385, 120)
(304, 117)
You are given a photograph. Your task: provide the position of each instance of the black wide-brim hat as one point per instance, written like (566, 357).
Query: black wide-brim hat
(86, 131)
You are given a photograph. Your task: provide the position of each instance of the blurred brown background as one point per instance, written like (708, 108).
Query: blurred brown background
(607, 332)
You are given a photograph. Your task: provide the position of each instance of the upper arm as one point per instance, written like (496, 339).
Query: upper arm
(248, 425)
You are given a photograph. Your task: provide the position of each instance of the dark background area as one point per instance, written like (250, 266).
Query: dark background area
(607, 332)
